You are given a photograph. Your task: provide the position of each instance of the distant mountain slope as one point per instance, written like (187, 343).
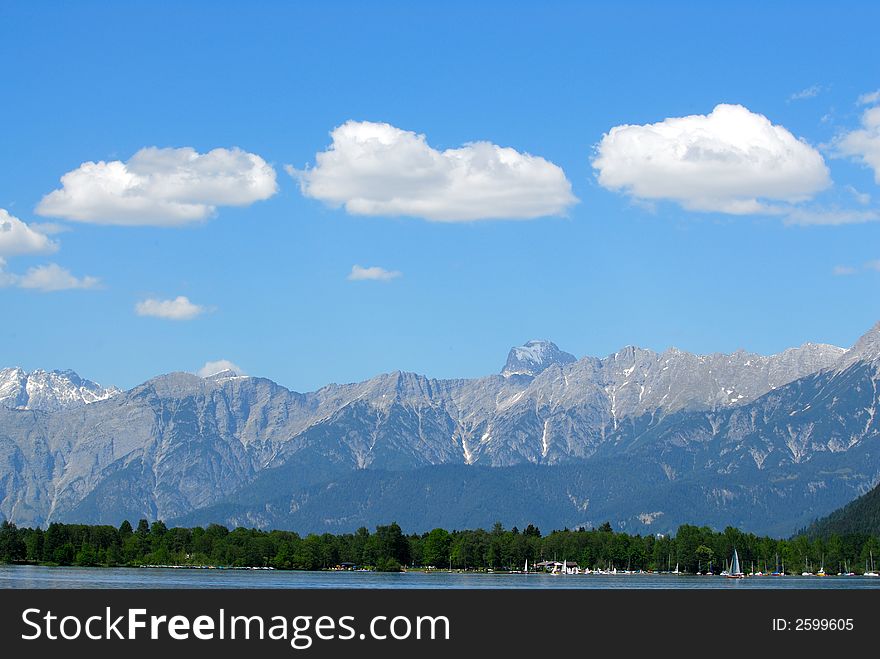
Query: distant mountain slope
(633, 494)
(768, 442)
(861, 516)
(48, 390)
(770, 466)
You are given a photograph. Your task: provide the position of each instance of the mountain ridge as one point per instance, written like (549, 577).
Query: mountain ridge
(179, 443)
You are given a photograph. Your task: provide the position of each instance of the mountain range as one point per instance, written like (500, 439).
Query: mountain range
(643, 439)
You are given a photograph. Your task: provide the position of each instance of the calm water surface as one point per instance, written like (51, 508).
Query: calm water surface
(73, 577)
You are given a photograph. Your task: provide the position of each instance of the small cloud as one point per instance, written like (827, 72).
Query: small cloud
(873, 265)
(53, 277)
(160, 187)
(810, 92)
(869, 99)
(374, 273)
(213, 367)
(863, 144)
(17, 238)
(844, 270)
(180, 308)
(378, 169)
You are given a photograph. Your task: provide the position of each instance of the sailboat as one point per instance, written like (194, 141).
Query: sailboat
(675, 571)
(527, 567)
(734, 572)
(821, 572)
(872, 573)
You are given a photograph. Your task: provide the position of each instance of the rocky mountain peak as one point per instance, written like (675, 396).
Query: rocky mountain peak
(223, 375)
(867, 348)
(535, 356)
(49, 390)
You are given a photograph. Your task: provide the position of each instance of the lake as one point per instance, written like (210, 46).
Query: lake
(26, 576)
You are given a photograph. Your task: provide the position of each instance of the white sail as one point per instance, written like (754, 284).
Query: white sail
(734, 566)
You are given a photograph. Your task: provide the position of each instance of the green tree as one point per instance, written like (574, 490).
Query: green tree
(436, 548)
(86, 556)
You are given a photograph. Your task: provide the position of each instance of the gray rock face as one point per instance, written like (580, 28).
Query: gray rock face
(726, 425)
(866, 349)
(49, 390)
(534, 357)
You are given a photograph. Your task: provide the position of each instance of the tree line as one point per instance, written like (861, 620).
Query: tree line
(691, 549)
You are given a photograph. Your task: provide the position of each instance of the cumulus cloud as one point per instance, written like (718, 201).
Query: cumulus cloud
(730, 161)
(374, 273)
(180, 308)
(377, 169)
(17, 238)
(160, 187)
(864, 144)
(213, 367)
(46, 278)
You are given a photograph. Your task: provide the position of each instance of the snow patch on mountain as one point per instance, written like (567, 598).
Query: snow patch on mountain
(49, 391)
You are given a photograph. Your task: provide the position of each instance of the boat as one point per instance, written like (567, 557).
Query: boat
(734, 572)
(873, 572)
(675, 571)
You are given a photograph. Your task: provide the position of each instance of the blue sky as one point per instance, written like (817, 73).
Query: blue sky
(267, 275)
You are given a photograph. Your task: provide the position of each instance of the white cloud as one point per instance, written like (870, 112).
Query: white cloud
(375, 273)
(869, 99)
(160, 187)
(377, 169)
(16, 237)
(180, 308)
(873, 265)
(730, 161)
(810, 92)
(844, 270)
(47, 278)
(213, 367)
(830, 217)
(864, 144)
